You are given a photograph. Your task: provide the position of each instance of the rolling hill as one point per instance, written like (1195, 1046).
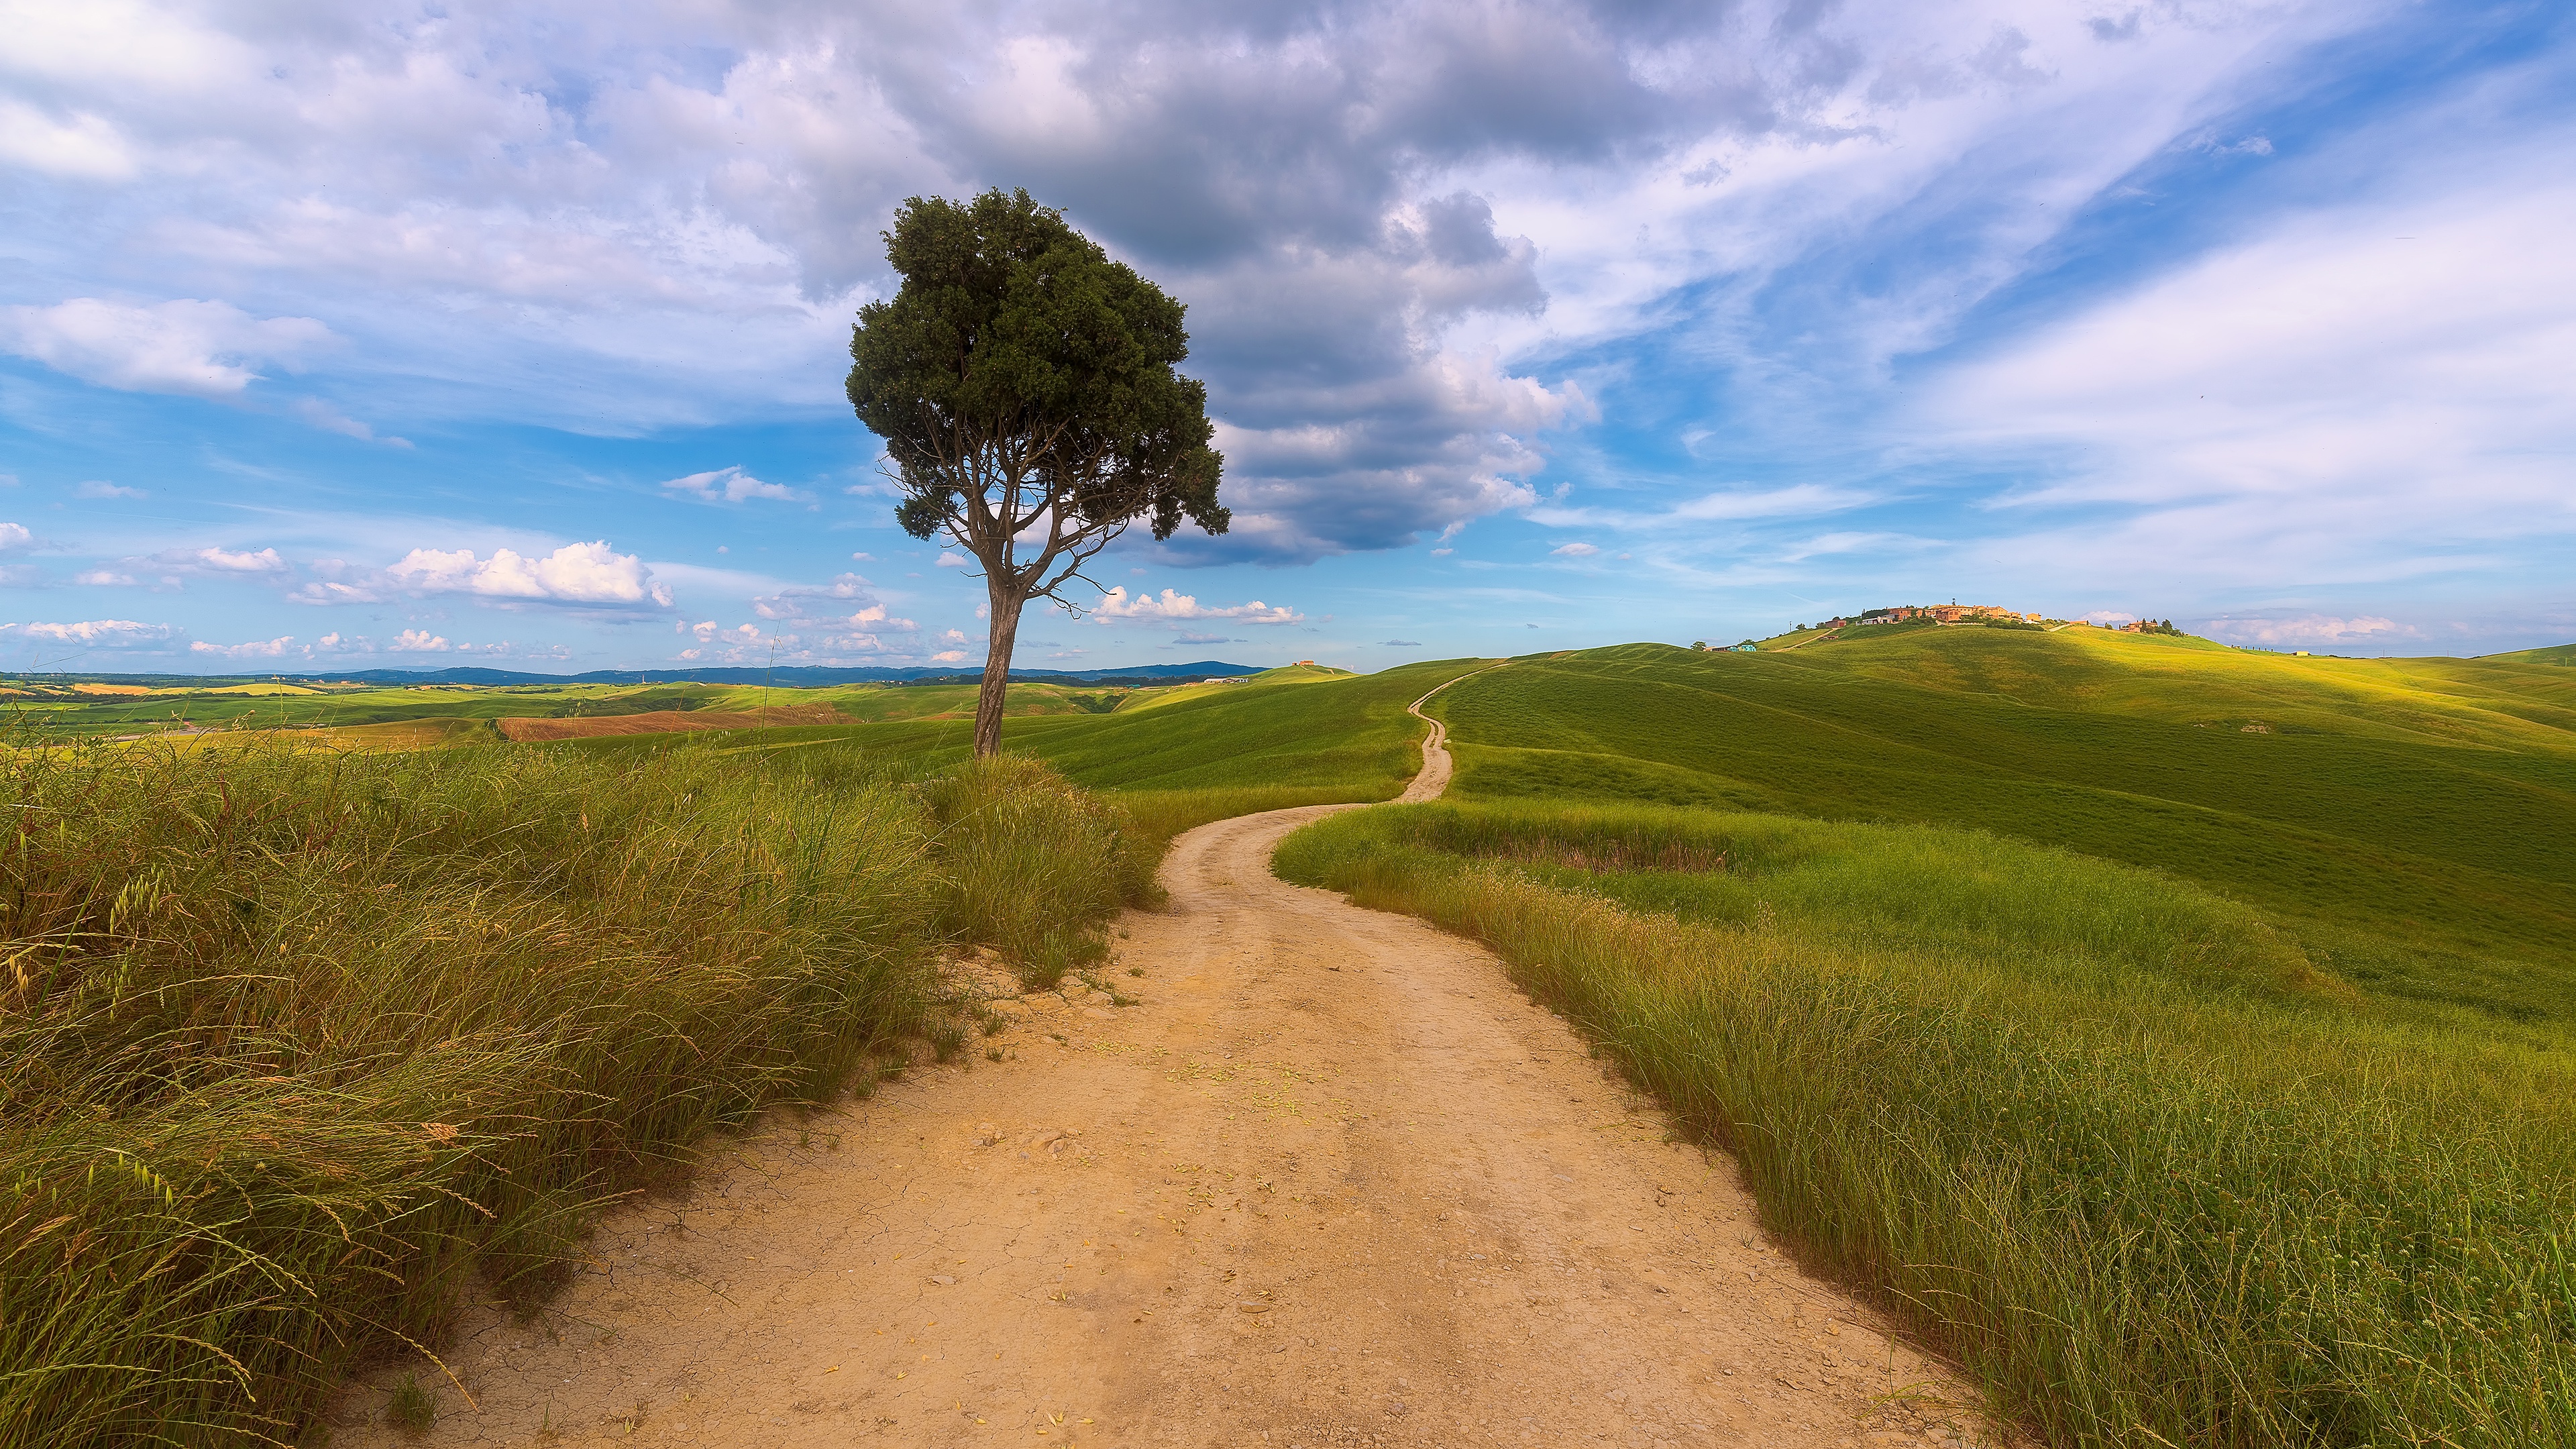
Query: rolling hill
(2425, 802)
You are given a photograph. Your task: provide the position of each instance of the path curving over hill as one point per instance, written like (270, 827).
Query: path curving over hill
(1333, 1181)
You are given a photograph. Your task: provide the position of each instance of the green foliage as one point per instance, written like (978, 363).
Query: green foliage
(297, 1049)
(1026, 390)
(1015, 340)
(2108, 1135)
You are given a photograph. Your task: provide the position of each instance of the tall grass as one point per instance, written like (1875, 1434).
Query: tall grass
(297, 1049)
(2152, 1182)
(1033, 865)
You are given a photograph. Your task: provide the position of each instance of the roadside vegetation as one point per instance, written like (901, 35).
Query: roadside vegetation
(2185, 1037)
(2114, 1139)
(301, 1049)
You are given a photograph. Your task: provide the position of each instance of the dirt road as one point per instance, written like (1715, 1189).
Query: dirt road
(1332, 1181)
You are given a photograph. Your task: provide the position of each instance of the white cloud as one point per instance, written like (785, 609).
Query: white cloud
(2308, 630)
(94, 633)
(224, 561)
(1119, 606)
(331, 420)
(277, 648)
(15, 536)
(578, 574)
(202, 349)
(948, 656)
(728, 485)
(82, 147)
(1574, 550)
(2347, 394)
(419, 641)
(948, 560)
(100, 488)
(103, 578)
(798, 602)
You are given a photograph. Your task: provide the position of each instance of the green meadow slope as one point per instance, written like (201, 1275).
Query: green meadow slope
(2184, 1037)
(1344, 735)
(2418, 817)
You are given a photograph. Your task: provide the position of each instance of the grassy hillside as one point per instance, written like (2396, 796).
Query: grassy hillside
(297, 1049)
(1331, 735)
(2417, 816)
(2185, 1035)
(2112, 1137)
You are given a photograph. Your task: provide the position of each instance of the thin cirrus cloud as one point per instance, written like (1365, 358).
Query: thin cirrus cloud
(2365, 350)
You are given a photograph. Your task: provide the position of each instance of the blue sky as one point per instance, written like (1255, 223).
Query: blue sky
(382, 335)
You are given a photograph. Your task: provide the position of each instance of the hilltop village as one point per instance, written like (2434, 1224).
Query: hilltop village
(1992, 616)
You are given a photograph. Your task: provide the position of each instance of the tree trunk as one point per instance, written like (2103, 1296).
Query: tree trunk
(1005, 609)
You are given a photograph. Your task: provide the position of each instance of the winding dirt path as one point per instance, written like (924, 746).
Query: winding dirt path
(1333, 1181)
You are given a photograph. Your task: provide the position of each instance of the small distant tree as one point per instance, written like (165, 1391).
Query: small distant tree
(1026, 390)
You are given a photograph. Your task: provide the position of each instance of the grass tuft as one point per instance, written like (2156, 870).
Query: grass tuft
(413, 1407)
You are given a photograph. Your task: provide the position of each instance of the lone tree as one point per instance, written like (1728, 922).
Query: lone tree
(1024, 386)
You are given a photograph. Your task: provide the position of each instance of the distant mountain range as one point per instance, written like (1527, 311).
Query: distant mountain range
(800, 677)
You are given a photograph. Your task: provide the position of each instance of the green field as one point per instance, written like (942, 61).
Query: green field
(2418, 817)
(2184, 1036)
(55, 711)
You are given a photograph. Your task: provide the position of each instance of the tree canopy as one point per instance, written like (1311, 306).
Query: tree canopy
(1026, 389)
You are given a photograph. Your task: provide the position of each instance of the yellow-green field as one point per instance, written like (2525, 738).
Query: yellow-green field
(2183, 1036)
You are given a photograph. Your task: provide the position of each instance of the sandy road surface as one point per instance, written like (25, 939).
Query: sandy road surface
(1333, 1181)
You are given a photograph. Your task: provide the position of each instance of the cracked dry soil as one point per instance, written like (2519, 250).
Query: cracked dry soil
(1332, 1181)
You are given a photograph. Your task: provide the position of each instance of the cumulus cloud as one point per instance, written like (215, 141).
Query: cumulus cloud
(202, 349)
(277, 648)
(1377, 215)
(419, 641)
(824, 606)
(171, 568)
(94, 634)
(1121, 607)
(16, 537)
(582, 574)
(728, 485)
